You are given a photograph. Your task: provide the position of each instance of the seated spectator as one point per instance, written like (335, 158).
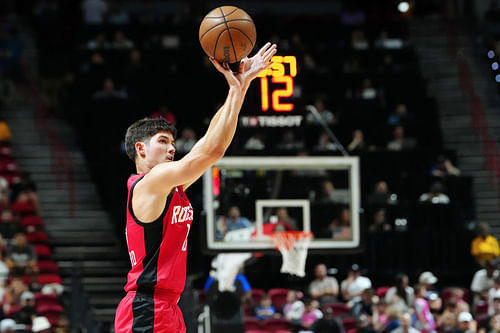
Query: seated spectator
(424, 318)
(41, 325)
(25, 190)
(288, 142)
(367, 91)
(109, 91)
(255, 142)
(99, 42)
(381, 195)
(12, 296)
(328, 324)
(4, 193)
(364, 306)
(187, 140)
(380, 223)
(324, 144)
(9, 224)
(293, 309)
(233, 221)
(428, 280)
(405, 322)
(341, 228)
(493, 311)
(466, 323)
(325, 114)
(265, 309)
(27, 311)
(401, 295)
(490, 298)
(400, 141)
(354, 284)
(485, 246)
(121, 42)
(7, 325)
(357, 145)
(380, 318)
(311, 313)
(400, 116)
(21, 256)
(444, 168)
(284, 217)
(329, 194)
(435, 195)
(323, 288)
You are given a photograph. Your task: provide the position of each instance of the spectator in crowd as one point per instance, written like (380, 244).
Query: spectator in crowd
(400, 116)
(186, 141)
(428, 280)
(357, 145)
(364, 324)
(284, 217)
(5, 134)
(492, 294)
(405, 322)
(94, 11)
(364, 306)
(354, 284)
(485, 246)
(21, 256)
(4, 193)
(341, 228)
(328, 324)
(164, 112)
(444, 168)
(367, 90)
(358, 40)
(10, 224)
(380, 223)
(328, 194)
(483, 282)
(233, 221)
(435, 195)
(288, 142)
(424, 318)
(255, 142)
(401, 295)
(324, 144)
(121, 42)
(466, 323)
(27, 311)
(311, 313)
(265, 310)
(399, 141)
(380, 318)
(323, 288)
(293, 309)
(327, 116)
(7, 325)
(25, 191)
(493, 311)
(12, 296)
(109, 91)
(99, 42)
(63, 324)
(381, 195)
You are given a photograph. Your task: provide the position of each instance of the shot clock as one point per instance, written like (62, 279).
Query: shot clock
(276, 84)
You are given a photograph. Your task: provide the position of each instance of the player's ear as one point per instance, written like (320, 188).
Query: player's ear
(140, 149)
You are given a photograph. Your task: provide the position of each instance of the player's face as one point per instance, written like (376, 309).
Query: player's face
(161, 148)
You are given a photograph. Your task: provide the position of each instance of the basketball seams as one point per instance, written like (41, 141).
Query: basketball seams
(230, 37)
(217, 25)
(223, 15)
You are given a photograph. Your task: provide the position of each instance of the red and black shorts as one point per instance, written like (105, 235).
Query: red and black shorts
(149, 311)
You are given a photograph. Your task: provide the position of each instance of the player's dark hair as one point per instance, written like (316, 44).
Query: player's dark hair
(143, 130)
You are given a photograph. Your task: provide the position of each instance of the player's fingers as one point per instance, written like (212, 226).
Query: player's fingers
(216, 64)
(272, 49)
(264, 48)
(269, 54)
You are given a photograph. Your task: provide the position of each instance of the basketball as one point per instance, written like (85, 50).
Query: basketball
(227, 34)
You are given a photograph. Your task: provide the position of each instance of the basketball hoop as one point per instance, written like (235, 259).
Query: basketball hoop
(293, 246)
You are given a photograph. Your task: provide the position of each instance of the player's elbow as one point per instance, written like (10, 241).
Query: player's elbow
(216, 153)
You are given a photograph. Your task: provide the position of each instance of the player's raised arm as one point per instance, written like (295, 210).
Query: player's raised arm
(212, 146)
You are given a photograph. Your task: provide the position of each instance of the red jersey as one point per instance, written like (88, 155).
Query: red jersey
(157, 250)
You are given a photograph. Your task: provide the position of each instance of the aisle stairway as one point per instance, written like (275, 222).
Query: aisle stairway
(81, 232)
(441, 66)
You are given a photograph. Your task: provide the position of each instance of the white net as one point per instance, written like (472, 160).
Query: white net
(293, 247)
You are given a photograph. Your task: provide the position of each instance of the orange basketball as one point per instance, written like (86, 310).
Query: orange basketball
(227, 34)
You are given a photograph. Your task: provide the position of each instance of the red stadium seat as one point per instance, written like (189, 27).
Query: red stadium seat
(52, 312)
(47, 266)
(338, 309)
(351, 330)
(42, 251)
(33, 220)
(247, 310)
(252, 323)
(349, 323)
(275, 324)
(37, 237)
(481, 308)
(49, 278)
(256, 295)
(278, 297)
(46, 299)
(23, 208)
(381, 291)
(283, 331)
(257, 331)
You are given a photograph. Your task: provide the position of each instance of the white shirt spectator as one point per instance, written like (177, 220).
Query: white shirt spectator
(481, 281)
(294, 311)
(93, 11)
(357, 286)
(393, 299)
(327, 284)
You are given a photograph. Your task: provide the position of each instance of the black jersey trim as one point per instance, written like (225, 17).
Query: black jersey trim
(163, 213)
(143, 311)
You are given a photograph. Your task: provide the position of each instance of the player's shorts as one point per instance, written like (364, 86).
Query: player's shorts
(140, 311)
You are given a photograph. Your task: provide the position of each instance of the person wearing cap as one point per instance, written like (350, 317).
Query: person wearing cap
(27, 311)
(354, 284)
(323, 288)
(41, 325)
(485, 246)
(7, 325)
(466, 323)
(427, 279)
(425, 319)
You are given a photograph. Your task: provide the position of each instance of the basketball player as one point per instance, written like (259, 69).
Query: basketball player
(159, 214)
